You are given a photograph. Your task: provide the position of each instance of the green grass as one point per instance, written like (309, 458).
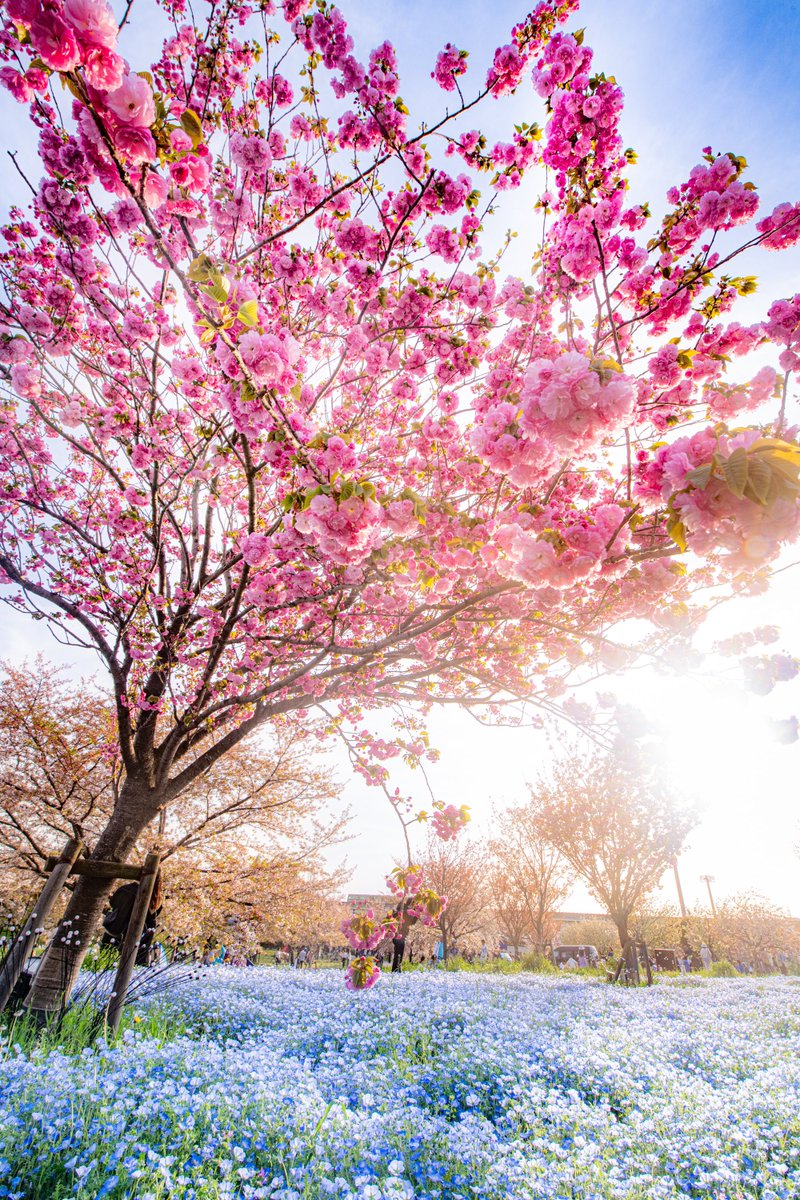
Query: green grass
(80, 1026)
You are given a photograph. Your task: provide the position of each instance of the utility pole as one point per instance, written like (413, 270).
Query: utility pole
(708, 880)
(680, 889)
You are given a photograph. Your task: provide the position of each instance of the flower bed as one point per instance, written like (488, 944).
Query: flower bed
(434, 1085)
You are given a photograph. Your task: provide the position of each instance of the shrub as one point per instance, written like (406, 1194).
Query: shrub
(539, 963)
(723, 970)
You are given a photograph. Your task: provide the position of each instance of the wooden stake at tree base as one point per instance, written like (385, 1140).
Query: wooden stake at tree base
(133, 936)
(14, 962)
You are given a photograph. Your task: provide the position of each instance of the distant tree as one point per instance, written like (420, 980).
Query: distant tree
(247, 901)
(534, 869)
(58, 765)
(458, 870)
(750, 928)
(660, 925)
(509, 910)
(600, 933)
(616, 827)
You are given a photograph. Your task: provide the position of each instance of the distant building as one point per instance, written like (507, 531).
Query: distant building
(560, 919)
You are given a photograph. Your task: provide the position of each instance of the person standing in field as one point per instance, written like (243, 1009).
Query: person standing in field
(398, 950)
(118, 917)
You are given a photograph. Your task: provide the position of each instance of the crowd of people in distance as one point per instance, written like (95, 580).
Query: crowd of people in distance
(303, 956)
(395, 952)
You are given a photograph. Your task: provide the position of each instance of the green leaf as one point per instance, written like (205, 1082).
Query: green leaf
(218, 288)
(734, 468)
(201, 268)
(193, 126)
(700, 476)
(759, 478)
(248, 313)
(677, 531)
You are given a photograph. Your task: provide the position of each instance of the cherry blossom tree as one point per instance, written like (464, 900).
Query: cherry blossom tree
(615, 824)
(277, 435)
(532, 870)
(510, 914)
(57, 766)
(59, 777)
(244, 900)
(459, 870)
(750, 928)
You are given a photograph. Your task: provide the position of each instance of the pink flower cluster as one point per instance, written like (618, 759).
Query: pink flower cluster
(375, 86)
(253, 155)
(364, 932)
(450, 63)
(347, 531)
(405, 881)
(447, 822)
(83, 34)
(498, 439)
(573, 402)
(362, 974)
(782, 227)
(80, 32)
(728, 401)
(562, 60)
(713, 516)
(256, 549)
(713, 197)
(783, 328)
(523, 550)
(584, 125)
(269, 358)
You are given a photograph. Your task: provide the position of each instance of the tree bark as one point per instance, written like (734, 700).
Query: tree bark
(61, 962)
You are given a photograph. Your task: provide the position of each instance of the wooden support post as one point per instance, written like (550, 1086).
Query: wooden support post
(99, 868)
(14, 962)
(130, 945)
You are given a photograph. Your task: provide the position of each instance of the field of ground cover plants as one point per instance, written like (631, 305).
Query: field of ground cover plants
(280, 1084)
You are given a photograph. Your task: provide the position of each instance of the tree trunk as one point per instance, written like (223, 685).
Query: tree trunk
(538, 932)
(61, 962)
(628, 949)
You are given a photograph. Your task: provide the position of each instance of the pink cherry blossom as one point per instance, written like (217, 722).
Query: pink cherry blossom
(54, 41)
(450, 64)
(93, 21)
(275, 426)
(132, 102)
(103, 69)
(256, 549)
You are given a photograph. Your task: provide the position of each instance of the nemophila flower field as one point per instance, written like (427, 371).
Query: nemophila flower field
(280, 1084)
